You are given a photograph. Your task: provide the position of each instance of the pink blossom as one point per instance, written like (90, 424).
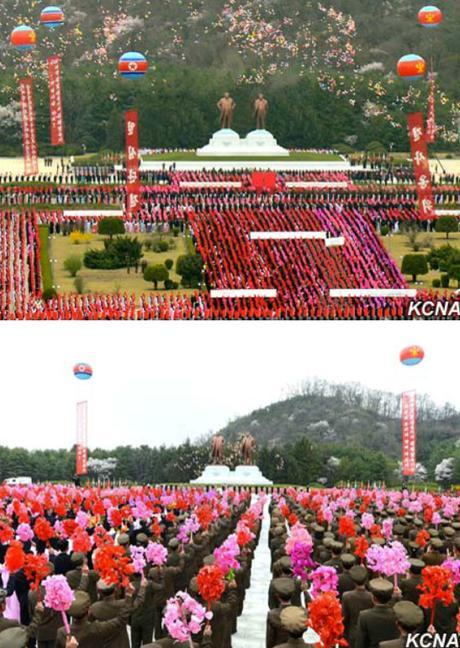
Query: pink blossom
(324, 579)
(156, 554)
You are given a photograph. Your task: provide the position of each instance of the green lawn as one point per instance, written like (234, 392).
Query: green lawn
(193, 157)
(111, 281)
(398, 246)
(47, 273)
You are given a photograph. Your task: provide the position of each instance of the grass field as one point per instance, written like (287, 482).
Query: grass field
(192, 157)
(398, 246)
(47, 273)
(111, 281)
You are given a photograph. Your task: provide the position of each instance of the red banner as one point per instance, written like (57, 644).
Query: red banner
(263, 180)
(431, 118)
(82, 439)
(56, 112)
(29, 133)
(132, 162)
(419, 152)
(409, 432)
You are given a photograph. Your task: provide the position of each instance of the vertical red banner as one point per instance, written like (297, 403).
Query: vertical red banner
(132, 162)
(29, 133)
(82, 439)
(419, 152)
(56, 111)
(431, 118)
(409, 432)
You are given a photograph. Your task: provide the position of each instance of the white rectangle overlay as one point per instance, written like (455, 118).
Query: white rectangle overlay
(372, 292)
(243, 292)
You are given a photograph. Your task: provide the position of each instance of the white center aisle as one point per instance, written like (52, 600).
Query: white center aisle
(251, 624)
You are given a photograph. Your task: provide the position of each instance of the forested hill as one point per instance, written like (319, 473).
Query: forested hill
(348, 416)
(328, 68)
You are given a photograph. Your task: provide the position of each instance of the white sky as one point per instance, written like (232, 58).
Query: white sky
(161, 382)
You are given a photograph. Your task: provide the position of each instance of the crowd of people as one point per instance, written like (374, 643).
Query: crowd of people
(168, 567)
(220, 219)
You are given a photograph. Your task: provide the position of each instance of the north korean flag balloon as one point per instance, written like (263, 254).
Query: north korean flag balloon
(411, 67)
(133, 65)
(411, 356)
(52, 17)
(82, 371)
(23, 38)
(430, 17)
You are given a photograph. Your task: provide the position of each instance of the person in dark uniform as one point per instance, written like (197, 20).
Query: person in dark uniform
(62, 562)
(379, 623)
(410, 586)
(409, 618)
(294, 622)
(353, 603)
(346, 583)
(284, 590)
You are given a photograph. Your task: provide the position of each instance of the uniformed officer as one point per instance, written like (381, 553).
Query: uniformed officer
(409, 618)
(379, 623)
(275, 633)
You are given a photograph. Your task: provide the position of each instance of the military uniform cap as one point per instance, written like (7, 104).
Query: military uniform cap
(437, 543)
(327, 542)
(294, 619)
(209, 560)
(329, 534)
(123, 539)
(434, 533)
(418, 522)
(193, 586)
(13, 638)
(358, 574)
(317, 528)
(449, 532)
(416, 565)
(173, 543)
(77, 558)
(141, 538)
(284, 586)
(3, 595)
(337, 546)
(399, 529)
(80, 605)
(378, 541)
(278, 531)
(104, 587)
(457, 543)
(408, 614)
(381, 586)
(456, 526)
(348, 560)
(285, 562)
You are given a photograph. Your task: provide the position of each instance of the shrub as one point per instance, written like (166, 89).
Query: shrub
(436, 283)
(160, 246)
(445, 280)
(49, 293)
(72, 265)
(446, 224)
(384, 230)
(79, 284)
(79, 237)
(156, 273)
(169, 264)
(189, 267)
(175, 231)
(414, 264)
(111, 226)
(121, 252)
(434, 263)
(454, 273)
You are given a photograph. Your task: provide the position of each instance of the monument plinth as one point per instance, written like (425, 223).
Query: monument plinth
(241, 476)
(227, 143)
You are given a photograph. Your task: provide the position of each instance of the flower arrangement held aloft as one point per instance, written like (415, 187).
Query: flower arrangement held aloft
(184, 617)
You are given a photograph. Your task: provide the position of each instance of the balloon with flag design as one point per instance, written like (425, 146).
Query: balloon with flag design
(430, 17)
(52, 17)
(412, 355)
(133, 65)
(23, 38)
(83, 371)
(412, 67)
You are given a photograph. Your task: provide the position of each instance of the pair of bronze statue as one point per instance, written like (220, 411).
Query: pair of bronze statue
(247, 447)
(227, 106)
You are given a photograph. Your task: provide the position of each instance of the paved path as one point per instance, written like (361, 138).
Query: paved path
(251, 624)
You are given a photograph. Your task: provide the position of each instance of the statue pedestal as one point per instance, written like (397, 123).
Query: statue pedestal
(261, 142)
(223, 476)
(224, 142)
(227, 143)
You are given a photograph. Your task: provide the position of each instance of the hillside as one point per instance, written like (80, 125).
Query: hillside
(320, 63)
(347, 417)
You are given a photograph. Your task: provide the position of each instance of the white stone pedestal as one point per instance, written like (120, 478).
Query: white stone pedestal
(258, 143)
(261, 142)
(241, 476)
(224, 142)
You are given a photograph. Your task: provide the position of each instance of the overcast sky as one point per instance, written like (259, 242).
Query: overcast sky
(161, 382)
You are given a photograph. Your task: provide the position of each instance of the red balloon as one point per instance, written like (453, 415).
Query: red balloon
(411, 356)
(430, 16)
(411, 67)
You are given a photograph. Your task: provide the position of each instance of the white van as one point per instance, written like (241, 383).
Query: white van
(18, 481)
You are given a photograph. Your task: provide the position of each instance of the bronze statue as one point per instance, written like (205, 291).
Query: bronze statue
(260, 111)
(227, 107)
(248, 444)
(217, 450)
